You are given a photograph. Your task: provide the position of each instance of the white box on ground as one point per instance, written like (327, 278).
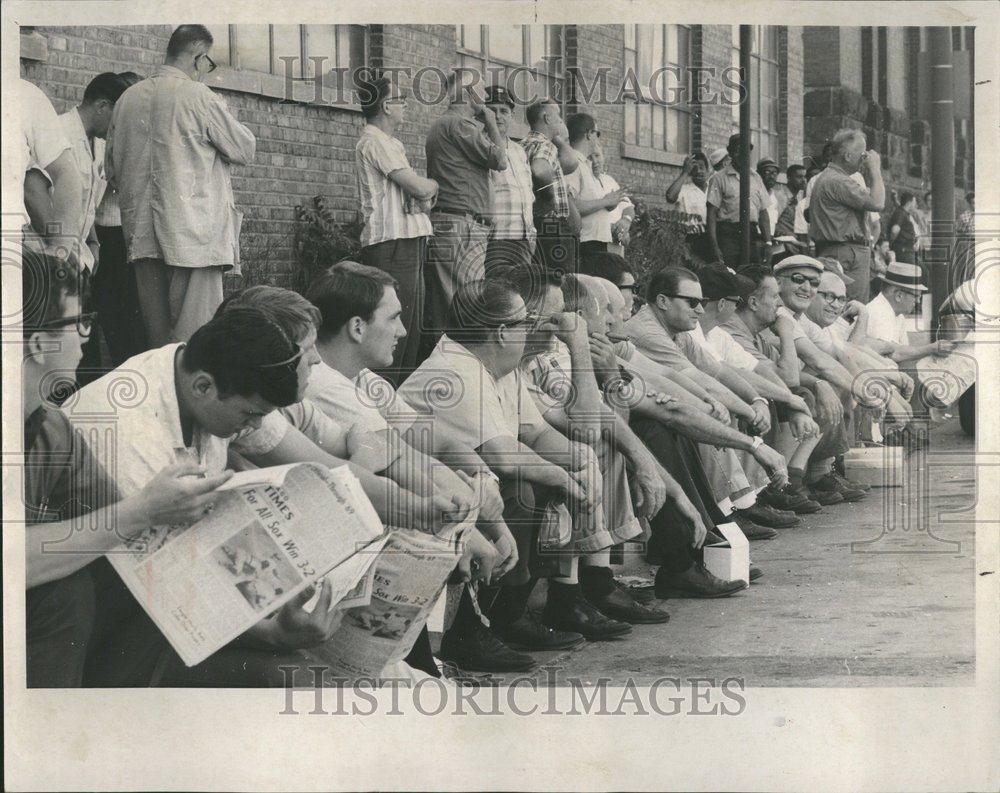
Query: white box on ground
(876, 466)
(729, 560)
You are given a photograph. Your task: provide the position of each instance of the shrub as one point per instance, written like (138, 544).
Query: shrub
(321, 241)
(657, 241)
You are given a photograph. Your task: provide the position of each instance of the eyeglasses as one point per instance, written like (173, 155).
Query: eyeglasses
(527, 319)
(84, 323)
(798, 279)
(212, 65)
(693, 302)
(833, 299)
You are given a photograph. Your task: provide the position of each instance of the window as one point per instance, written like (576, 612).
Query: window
(528, 59)
(763, 83)
(658, 116)
(260, 48)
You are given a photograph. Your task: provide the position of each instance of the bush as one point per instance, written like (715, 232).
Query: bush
(321, 241)
(658, 240)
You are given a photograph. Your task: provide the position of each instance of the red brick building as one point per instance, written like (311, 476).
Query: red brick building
(305, 148)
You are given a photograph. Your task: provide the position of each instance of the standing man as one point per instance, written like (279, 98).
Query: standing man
(585, 191)
(902, 231)
(393, 201)
(512, 236)
(114, 291)
(838, 207)
(552, 159)
(768, 169)
(86, 127)
(723, 214)
(170, 148)
(791, 197)
(686, 195)
(463, 146)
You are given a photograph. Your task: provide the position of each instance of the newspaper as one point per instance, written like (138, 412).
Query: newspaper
(945, 379)
(407, 577)
(271, 535)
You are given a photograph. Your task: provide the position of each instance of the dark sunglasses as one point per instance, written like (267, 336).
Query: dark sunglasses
(693, 302)
(212, 65)
(84, 323)
(798, 279)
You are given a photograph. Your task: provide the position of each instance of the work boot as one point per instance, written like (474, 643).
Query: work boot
(823, 495)
(528, 633)
(830, 484)
(850, 483)
(695, 582)
(763, 515)
(566, 609)
(477, 649)
(615, 601)
(789, 500)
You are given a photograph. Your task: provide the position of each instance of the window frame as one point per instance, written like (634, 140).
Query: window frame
(635, 148)
(757, 131)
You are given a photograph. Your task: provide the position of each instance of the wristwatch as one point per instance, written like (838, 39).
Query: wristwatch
(487, 472)
(759, 399)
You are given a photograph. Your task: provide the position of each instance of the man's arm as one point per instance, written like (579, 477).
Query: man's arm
(711, 217)
(674, 188)
(234, 141)
(413, 184)
(66, 191)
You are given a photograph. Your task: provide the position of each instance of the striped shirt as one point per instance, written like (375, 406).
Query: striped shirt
(513, 197)
(550, 201)
(108, 212)
(383, 202)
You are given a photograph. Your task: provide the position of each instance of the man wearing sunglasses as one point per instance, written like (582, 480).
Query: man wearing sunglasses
(169, 153)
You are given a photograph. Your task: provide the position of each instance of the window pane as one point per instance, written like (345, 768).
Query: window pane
(536, 45)
(683, 45)
(352, 45)
(645, 124)
(754, 92)
(554, 34)
(630, 37)
(472, 38)
(507, 43)
(630, 134)
(674, 120)
(253, 47)
(220, 44)
(672, 46)
(321, 42)
(644, 45)
(656, 58)
(287, 43)
(735, 38)
(659, 115)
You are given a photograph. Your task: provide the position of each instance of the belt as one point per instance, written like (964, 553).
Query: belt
(820, 244)
(482, 220)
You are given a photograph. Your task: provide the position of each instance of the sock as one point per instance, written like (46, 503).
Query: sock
(509, 603)
(818, 469)
(597, 581)
(597, 559)
(572, 575)
(795, 478)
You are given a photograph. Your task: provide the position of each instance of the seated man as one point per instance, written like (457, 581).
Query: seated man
(221, 388)
(559, 364)
(63, 484)
(473, 385)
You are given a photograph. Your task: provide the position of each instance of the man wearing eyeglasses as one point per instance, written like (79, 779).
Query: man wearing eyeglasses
(170, 149)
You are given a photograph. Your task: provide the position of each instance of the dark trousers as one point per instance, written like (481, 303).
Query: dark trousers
(671, 535)
(59, 624)
(403, 260)
(730, 239)
(507, 253)
(116, 298)
(557, 247)
(856, 259)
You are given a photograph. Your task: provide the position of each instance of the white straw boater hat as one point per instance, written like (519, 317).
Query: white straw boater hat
(908, 276)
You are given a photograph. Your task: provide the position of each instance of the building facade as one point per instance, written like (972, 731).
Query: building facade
(658, 92)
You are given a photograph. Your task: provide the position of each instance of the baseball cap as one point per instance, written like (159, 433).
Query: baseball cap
(766, 162)
(798, 260)
(498, 95)
(719, 282)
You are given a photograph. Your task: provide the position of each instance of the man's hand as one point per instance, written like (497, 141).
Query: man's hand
(688, 165)
(561, 134)
(761, 418)
(718, 410)
(943, 347)
(693, 516)
(436, 513)
(803, 426)
(773, 463)
(905, 385)
(294, 628)
(567, 326)
(603, 357)
(829, 408)
(650, 486)
(898, 410)
(479, 558)
(872, 162)
(179, 494)
(854, 309)
(615, 197)
(798, 405)
(784, 325)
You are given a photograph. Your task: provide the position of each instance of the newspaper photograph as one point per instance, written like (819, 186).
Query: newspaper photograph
(275, 533)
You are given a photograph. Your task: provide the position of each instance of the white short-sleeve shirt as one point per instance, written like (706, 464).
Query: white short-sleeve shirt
(883, 322)
(727, 349)
(368, 401)
(131, 421)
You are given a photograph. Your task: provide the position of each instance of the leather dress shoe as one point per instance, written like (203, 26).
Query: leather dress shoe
(833, 484)
(825, 497)
(529, 633)
(477, 649)
(695, 582)
(615, 601)
(755, 573)
(567, 610)
(764, 515)
(790, 500)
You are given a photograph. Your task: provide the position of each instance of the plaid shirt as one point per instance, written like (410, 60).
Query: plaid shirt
(550, 201)
(389, 213)
(513, 197)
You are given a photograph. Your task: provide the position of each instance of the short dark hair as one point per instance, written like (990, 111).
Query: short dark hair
(666, 281)
(247, 354)
(793, 168)
(185, 37)
(347, 289)
(757, 273)
(106, 85)
(970, 196)
(295, 315)
(46, 283)
(607, 265)
(575, 292)
(905, 197)
(533, 112)
(130, 78)
(579, 126)
(479, 307)
(375, 92)
(701, 156)
(530, 279)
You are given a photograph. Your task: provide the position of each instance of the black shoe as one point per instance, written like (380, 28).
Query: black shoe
(763, 515)
(789, 500)
(528, 633)
(695, 582)
(824, 496)
(830, 484)
(615, 601)
(851, 483)
(755, 573)
(477, 649)
(566, 609)
(754, 532)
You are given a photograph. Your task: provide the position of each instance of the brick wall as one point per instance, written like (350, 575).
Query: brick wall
(791, 119)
